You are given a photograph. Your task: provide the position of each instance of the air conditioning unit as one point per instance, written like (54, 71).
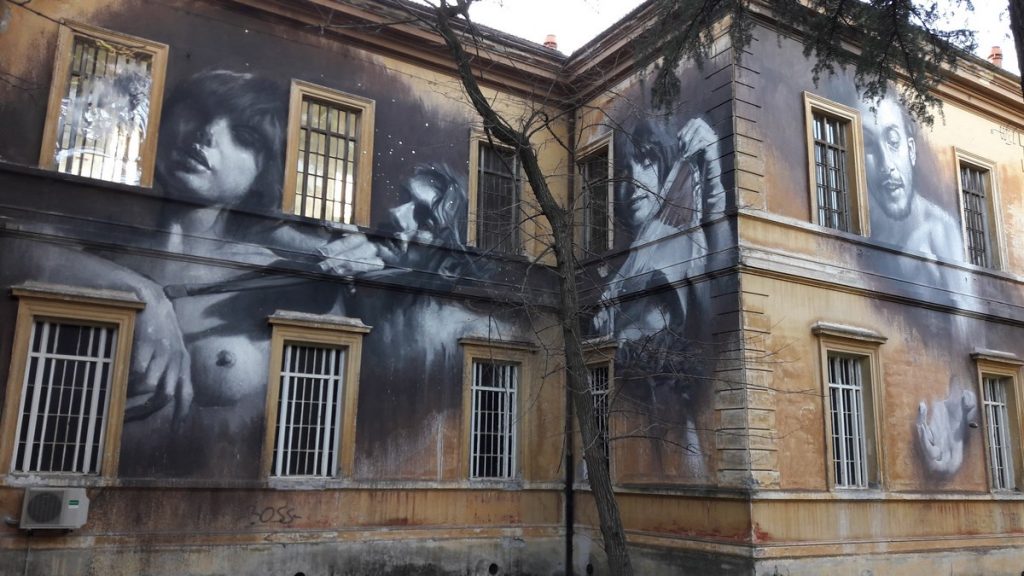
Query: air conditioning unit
(54, 509)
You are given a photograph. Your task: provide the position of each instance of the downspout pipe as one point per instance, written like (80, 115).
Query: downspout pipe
(570, 439)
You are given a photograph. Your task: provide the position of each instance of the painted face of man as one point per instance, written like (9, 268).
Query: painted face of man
(891, 154)
(215, 159)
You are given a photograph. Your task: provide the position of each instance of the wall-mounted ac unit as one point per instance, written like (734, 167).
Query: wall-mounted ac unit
(54, 508)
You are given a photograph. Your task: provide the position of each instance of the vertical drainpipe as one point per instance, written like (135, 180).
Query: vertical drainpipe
(570, 453)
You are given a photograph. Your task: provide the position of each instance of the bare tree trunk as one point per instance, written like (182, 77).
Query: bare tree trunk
(560, 219)
(1016, 8)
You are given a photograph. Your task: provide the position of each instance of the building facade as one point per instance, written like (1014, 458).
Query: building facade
(275, 303)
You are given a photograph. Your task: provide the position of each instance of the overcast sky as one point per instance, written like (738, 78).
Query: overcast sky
(575, 22)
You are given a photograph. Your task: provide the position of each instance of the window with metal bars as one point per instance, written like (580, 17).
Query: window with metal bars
(847, 412)
(997, 400)
(106, 89)
(497, 210)
(830, 170)
(494, 419)
(65, 399)
(308, 411)
(326, 164)
(596, 200)
(598, 379)
(976, 214)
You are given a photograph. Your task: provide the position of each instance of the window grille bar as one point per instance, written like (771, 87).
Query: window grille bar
(849, 435)
(102, 390)
(596, 228)
(996, 401)
(976, 214)
(66, 398)
(497, 200)
(599, 390)
(327, 171)
(831, 171)
(494, 413)
(309, 411)
(283, 416)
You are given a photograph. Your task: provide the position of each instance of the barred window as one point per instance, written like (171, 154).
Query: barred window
(497, 210)
(976, 214)
(596, 202)
(329, 155)
(494, 419)
(309, 411)
(997, 399)
(326, 181)
(846, 398)
(835, 160)
(598, 379)
(105, 96)
(66, 395)
(830, 169)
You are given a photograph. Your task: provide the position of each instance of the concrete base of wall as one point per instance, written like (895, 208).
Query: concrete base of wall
(484, 557)
(509, 556)
(996, 562)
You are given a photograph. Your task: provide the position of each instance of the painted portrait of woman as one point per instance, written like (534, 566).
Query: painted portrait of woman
(666, 184)
(222, 140)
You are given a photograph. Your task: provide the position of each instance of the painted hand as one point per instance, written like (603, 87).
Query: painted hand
(698, 137)
(161, 366)
(942, 431)
(351, 254)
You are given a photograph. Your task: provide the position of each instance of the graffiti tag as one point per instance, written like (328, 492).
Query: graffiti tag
(273, 515)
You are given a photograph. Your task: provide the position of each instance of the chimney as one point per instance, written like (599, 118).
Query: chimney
(551, 42)
(996, 56)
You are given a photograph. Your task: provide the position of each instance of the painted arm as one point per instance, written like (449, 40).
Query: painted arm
(160, 364)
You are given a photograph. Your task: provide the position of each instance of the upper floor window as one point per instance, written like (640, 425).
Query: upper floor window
(66, 394)
(330, 155)
(979, 210)
(596, 197)
(834, 157)
(104, 105)
(312, 394)
(495, 198)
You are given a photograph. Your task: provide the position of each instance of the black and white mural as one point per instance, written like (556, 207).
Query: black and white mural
(667, 187)
(901, 214)
(220, 260)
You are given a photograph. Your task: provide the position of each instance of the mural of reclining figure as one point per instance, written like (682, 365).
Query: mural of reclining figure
(224, 146)
(942, 433)
(667, 185)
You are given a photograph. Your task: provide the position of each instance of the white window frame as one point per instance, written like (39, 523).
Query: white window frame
(996, 242)
(842, 342)
(335, 333)
(55, 305)
(506, 391)
(503, 353)
(1001, 419)
(601, 396)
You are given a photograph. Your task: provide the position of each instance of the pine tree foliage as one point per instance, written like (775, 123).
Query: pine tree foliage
(882, 41)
